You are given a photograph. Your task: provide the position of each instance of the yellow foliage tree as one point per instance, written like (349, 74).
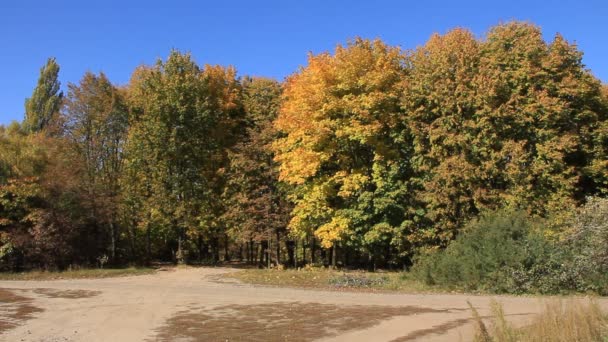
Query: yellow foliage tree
(337, 116)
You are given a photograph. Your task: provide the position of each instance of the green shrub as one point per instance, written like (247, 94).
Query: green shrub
(504, 252)
(498, 252)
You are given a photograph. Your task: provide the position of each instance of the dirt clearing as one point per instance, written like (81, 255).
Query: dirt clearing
(187, 304)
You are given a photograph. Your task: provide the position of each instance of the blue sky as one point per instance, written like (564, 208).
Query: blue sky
(266, 38)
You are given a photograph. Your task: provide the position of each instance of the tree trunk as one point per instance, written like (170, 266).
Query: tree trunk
(199, 245)
(324, 257)
(278, 247)
(215, 249)
(264, 254)
(371, 260)
(387, 258)
(269, 251)
(112, 243)
(179, 256)
(226, 254)
(260, 254)
(346, 257)
(132, 234)
(313, 250)
(250, 252)
(148, 244)
(289, 245)
(303, 252)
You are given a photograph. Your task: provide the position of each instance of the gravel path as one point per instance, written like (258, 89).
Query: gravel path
(189, 304)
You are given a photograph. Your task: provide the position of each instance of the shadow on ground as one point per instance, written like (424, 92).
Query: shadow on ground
(15, 309)
(276, 321)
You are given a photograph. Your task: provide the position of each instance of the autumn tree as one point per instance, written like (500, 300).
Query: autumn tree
(40, 222)
(182, 117)
(439, 101)
(507, 121)
(96, 122)
(339, 150)
(257, 207)
(44, 104)
(545, 108)
(597, 171)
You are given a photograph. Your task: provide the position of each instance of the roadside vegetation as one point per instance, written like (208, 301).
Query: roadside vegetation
(509, 252)
(502, 252)
(330, 279)
(561, 320)
(77, 273)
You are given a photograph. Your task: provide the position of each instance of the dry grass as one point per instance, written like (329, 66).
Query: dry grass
(77, 274)
(331, 279)
(561, 321)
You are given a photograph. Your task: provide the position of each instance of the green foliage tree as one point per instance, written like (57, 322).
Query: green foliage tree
(182, 117)
(44, 104)
(544, 109)
(508, 121)
(441, 115)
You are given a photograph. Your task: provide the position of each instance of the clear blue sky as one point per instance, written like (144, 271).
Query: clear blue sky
(268, 38)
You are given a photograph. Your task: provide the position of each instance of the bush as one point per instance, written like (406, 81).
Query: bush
(503, 252)
(486, 254)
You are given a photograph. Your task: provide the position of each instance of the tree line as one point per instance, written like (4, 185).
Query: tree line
(366, 156)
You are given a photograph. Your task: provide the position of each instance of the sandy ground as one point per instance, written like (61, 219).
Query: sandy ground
(190, 304)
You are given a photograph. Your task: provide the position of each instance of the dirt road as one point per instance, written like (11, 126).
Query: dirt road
(192, 305)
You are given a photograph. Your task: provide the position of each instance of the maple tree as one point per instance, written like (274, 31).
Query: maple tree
(338, 115)
(507, 121)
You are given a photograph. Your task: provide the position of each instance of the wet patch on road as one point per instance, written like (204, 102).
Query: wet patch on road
(276, 321)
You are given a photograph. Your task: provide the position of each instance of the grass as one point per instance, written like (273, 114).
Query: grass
(561, 320)
(77, 274)
(316, 277)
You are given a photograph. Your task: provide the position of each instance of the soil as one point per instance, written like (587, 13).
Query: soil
(15, 309)
(188, 304)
